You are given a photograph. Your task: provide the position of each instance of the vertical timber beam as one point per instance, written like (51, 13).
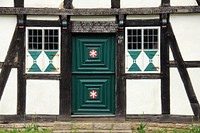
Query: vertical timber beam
(9, 60)
(183, 72)
(115, 3)
(21, 86)
(120, 89)
(165, 81)
(65, 82)
(19, 3)
(68, 4)
(165, 3)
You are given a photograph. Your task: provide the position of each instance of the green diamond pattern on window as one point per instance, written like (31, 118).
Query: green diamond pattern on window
(134, 55)
(34, 67)
(150, 55)
(51, 55)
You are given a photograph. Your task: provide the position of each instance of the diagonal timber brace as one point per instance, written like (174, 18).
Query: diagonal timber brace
(198, 2)
(9, 60)
(183, 72)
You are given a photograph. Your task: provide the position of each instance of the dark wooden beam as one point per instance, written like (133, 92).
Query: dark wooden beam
(43, 76)
(188, 64)
(115, 3)
(162, 118)
(9, 59)
(56, 11)
(68, 4)
(198, 2)
(165, 80)
(19, 3)
(160, 10)
(119, 61)
(165, 3)
(153, 22)
(21, 82)
(42, 23)
(66, 67)
(14, 64)
(143, 76)
(183, 72)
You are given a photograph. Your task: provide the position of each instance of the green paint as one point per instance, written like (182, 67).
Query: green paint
(50, 68)
(50, 54)
(150, 67)
(34, 68)
(134, 68)
(150, 54)
(34, 54)
(93, 74)
(134, 54)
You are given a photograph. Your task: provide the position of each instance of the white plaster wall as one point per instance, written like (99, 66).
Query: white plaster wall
(7, 28)
(139, 3)
(43, 17)
(93, 18)
(183, 3)
(42, 97)
(187, 30)
(143, 96)
(6, 3)
(43, 3)
(143, 17)
(8, 102)
(91, 3)
(179, 102)
(194, 77)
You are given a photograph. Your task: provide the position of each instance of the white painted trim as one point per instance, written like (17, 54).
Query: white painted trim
(126, 48)
(59, 48)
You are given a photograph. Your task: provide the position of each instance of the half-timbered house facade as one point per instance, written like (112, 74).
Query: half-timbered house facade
(105, 59)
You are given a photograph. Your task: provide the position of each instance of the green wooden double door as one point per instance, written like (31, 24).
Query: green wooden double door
(93, 74)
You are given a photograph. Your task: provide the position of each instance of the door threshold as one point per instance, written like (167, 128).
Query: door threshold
(93, 116)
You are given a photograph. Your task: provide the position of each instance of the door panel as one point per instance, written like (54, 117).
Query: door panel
(93, 94)
(93, 54)
(93, 74)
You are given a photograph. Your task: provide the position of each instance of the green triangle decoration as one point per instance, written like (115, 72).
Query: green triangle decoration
(34, 54)
(51, 68)
(134, 54)
(51, 54)
(150, 67)
(34, 68)
(150, 54)
(134, 67)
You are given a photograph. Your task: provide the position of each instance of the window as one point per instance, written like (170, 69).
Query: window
(42, 50)
(142, 49)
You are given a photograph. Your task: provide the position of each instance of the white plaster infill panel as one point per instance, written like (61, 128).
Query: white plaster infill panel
(143, 96)
(183, 3)
(6, 3)
(8, 102)
(44, 17)
(142, 17)
(43, 3)
(91, 3)
(187, 30)
(139, 3)
(7, 28)
(179, 102)
(42, 97)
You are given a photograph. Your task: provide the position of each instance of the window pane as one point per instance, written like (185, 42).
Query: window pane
(51, 38)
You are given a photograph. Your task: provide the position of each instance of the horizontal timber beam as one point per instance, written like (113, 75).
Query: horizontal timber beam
(99, 11)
